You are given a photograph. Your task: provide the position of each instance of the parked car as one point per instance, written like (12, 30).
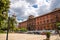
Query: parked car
(43, 33)
(32, 32)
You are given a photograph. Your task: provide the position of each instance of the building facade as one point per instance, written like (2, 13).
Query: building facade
(43, 22)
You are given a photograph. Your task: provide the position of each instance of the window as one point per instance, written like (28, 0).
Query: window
(53, 20)
(40, 18)
(47, 21)
(44, 27)
(38, 23)
(47, 16)
(49, 27)
(44, 21)
(38, 28)
(54, 26)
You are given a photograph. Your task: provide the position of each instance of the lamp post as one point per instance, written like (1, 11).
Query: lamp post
(8, 26)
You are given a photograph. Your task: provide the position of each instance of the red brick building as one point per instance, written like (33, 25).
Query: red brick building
(43, 22)
(23, 24)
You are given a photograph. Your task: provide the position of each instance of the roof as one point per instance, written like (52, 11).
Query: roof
(55, 10)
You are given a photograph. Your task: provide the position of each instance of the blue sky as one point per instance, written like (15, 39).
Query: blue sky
(24, 8)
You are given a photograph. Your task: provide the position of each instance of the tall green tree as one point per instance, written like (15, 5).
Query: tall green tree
(13, 23)
(4, 7)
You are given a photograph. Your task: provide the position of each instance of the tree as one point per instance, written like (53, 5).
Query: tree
(13, 23)
(4, 7)
(4, 25)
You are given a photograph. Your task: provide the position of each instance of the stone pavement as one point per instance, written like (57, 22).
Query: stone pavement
(17, 36)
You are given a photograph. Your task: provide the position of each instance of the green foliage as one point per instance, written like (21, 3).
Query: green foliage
(12, 23)
(1, 31)
(4, 7)
(58, 25)
(4, 25)
(23, 29)
(48, 34)
(16, 29)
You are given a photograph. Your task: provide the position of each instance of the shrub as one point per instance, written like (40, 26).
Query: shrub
(16, 30)
(23, 30)
(58, 28)
(1, 31)
(48, 34)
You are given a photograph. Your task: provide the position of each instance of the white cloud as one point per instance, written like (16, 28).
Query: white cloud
(55, 4)
(23, 8)
(31, 1)
(19, 21)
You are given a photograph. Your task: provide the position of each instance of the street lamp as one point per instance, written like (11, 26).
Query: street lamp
(8, 28)
(8, 25)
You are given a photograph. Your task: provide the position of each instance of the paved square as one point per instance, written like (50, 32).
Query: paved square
(17, 36)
